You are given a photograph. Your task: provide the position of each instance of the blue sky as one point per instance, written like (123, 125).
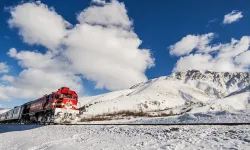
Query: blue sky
(158, 24)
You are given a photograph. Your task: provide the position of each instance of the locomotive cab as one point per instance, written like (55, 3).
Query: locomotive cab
(65, 98)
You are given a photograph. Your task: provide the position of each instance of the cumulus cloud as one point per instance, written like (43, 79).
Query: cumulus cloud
(8, 78)
(38, 24)
(101, 2)
(234, 48)
(32, 83)
(34, 59)
(104, 40)
(230, 57)
(3, 94)
(110, 53)
(193, 42)
(110, 14)
(243, 59)
(4, 68)
(232, 17)
(191, 62)
(43, 73)
(102, 48)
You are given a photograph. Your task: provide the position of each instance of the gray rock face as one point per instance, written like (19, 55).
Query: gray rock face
(222, 83)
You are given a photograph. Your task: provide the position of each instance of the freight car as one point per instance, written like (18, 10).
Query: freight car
(57, 107)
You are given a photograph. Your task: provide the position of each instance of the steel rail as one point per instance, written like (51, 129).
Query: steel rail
(133, 124)
(161, 124)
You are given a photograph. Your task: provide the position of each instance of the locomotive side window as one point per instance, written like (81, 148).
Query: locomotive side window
(57, 96)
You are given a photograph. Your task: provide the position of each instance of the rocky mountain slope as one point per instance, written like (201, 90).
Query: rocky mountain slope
(178, 93)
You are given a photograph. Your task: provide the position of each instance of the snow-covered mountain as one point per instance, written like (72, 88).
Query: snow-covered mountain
(180, 92)
(3, 110)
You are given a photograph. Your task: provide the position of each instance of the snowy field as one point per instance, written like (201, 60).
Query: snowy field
(32, 137)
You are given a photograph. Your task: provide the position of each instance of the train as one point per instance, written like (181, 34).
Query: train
(55, 108)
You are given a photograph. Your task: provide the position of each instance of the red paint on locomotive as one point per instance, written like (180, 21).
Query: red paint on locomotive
(62, 98)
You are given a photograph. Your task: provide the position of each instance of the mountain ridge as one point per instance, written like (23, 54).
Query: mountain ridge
(178, 90)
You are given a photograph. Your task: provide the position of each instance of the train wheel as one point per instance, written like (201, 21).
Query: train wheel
(49, 118)
(44, 119)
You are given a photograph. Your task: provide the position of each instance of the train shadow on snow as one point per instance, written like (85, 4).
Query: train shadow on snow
(11, 128)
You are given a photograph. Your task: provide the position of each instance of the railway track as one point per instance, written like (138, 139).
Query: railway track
(128, 124)
(176, 124)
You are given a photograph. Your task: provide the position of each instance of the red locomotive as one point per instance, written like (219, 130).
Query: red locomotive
(57, 107)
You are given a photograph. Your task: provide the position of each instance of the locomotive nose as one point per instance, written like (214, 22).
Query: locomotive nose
(69, 103)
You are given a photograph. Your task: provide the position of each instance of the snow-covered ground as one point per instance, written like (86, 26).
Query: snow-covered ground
(13, 137)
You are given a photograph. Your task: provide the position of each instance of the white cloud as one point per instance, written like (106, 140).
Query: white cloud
(102, 48)
(226, 65)
(230, 57)
(100, 2)
(38, 24)
(113, 59)
(232, 17)
(111, 14)
(197, 61)
(243, 59)
(235, 47)
(32, 59)
(3, 94)
(111, 53)
(191, 42)
(206, 62)
(43, 73)
(4, 68)
(32, 83)
(185, 45)
(8, 78)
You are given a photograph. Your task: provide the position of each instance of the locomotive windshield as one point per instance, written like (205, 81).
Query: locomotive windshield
(65, 96)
